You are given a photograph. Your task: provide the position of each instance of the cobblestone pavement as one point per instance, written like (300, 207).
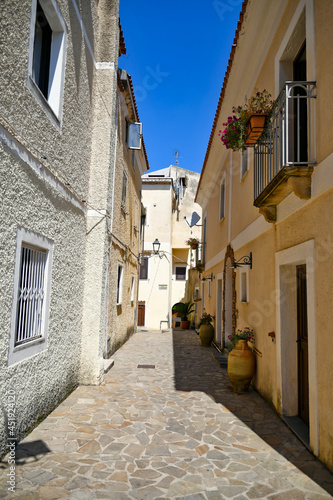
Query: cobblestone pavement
(174, 431)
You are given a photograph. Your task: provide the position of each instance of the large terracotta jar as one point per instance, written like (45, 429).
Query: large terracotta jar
(206, 334)
(241, 366)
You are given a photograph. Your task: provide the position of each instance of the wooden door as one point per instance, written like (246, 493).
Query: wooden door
(141, 314)
(302, 339)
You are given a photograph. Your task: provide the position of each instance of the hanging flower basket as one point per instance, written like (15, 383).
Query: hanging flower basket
(254, 129)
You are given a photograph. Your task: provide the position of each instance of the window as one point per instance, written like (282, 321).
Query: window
(47, 55)
(144, 269)
(244, 162)
(32, 278)
(180, 272)
(120, 284)
(196, 293)
(133, 135)
(42, 52)
(222, 199)
(132, 288)
(124, 191)
(244, 293)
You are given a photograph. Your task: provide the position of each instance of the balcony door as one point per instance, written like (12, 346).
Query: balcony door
(300, 108)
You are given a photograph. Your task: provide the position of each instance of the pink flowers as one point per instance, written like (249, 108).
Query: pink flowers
(241, 334)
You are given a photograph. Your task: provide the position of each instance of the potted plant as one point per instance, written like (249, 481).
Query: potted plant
(245, 126)
(206, 329)
(241, 362)
(257, 109)
(184, 309)
(233, 134)
(192, 242)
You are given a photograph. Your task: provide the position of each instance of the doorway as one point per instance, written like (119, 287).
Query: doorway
(300, 108)
(296, 341)
(219, 313)
(141, 313)
(302, 341)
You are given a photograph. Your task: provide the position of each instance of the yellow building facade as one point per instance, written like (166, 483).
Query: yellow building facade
(267, 224)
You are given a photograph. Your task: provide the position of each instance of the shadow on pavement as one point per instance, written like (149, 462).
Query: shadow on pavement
(196, 370)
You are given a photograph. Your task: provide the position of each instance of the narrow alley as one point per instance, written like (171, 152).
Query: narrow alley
(165, 424)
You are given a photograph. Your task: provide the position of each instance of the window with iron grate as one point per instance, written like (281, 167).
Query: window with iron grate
(31, 294)
(32, 285)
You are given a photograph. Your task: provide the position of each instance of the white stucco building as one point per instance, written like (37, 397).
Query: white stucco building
(64, 155)
(168, 198)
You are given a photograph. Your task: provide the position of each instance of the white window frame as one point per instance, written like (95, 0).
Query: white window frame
(175, 272)
(120, 281)
(132, 287)
(54, 101)
(244, 285)
(133, 135)
(244, 162)
(222, 202)
(30, 347)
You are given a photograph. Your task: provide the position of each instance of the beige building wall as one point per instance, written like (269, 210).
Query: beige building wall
(154, 292)
(125, 232)
(168, 196)
(264, 297)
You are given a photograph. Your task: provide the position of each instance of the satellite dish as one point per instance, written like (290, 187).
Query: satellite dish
(193, 219)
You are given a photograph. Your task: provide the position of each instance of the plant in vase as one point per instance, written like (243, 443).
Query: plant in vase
(244, 334)
(206, 329)
(192, 242)
(241, 362)
(184, 309)
(257, 107)
(238, 127)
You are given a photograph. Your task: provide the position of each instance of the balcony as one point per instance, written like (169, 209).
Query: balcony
(284, 156)
(200, 257)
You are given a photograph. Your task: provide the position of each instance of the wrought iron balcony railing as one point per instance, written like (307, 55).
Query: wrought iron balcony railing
(286, 148)
(200, 256)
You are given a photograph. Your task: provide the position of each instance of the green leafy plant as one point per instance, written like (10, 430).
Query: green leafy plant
(184, 309)
(240, 334)
(206, 319)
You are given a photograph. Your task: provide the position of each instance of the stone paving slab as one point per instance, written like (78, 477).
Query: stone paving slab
(176, 431)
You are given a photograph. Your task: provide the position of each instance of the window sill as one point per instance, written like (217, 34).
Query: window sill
(222, 220)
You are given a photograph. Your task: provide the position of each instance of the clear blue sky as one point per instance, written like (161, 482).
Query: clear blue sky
(177, 55)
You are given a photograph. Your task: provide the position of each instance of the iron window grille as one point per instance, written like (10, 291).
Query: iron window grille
(31, 294)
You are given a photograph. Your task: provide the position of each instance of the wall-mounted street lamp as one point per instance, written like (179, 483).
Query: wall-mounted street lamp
(161, 254)
(243, 261)
(209, 277)
(156, 246)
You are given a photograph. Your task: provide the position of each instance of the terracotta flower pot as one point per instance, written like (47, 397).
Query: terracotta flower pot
(241, 366)
(206, 334)
(254, 129)
(185, 325)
